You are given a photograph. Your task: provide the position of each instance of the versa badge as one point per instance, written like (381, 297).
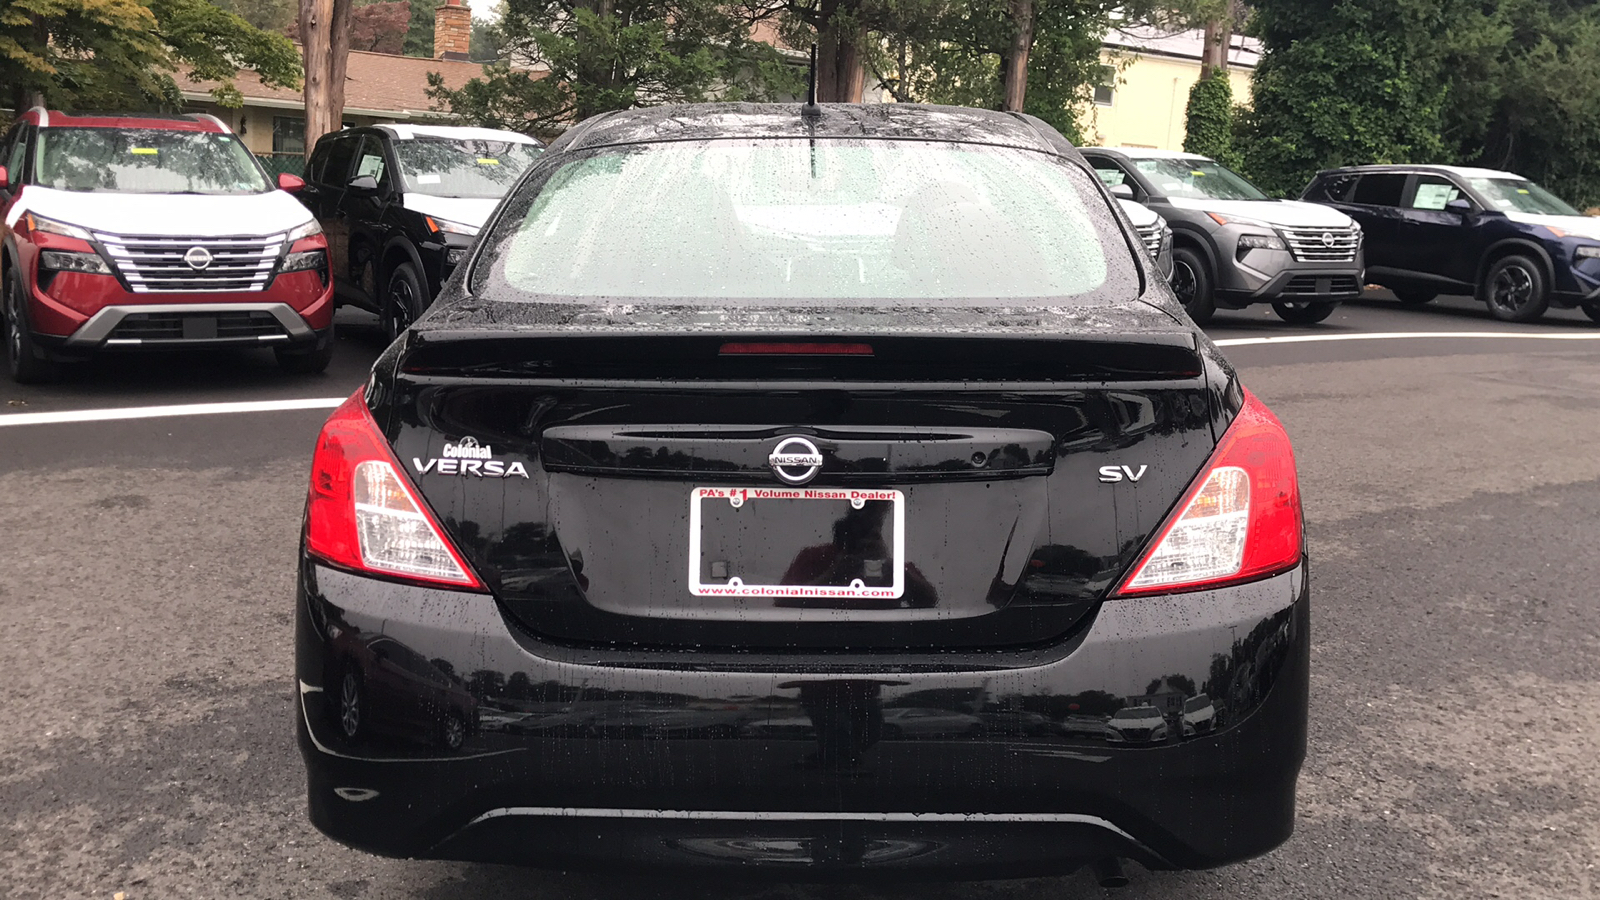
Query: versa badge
(468, 457)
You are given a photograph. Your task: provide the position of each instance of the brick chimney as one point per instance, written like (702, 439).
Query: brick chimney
(452, 31)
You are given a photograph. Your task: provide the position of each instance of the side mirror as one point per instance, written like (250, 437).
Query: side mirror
(290, 183)
(1459, 205)
(5, 179)
(363, 184)
(1122, 191)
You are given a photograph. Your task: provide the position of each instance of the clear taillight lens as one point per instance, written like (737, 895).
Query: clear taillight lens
(363, 515)
(1239, 522)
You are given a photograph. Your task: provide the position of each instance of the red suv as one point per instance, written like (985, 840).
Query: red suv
(153, 232)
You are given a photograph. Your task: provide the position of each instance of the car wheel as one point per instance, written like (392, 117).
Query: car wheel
(1303, 312)
(1514, 289)
(402, 301)
(24, 358)
(1592, 310)
(453, 733)
(352, 709)
(1191, 282)
(1414, 296)
(307, 362)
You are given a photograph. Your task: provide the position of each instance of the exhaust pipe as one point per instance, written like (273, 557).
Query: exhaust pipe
(1109, 873)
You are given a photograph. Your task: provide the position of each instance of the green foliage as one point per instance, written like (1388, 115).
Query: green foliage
(1354, 81)
(1523, 78)
(950, 51)
(419, 34)
(267, 15)
(1209, 119)
(109, 54)
(616, 54)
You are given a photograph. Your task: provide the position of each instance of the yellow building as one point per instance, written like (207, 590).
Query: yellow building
(1144, 89)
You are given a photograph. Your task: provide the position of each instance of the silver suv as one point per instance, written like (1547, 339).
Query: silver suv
(1233, 245)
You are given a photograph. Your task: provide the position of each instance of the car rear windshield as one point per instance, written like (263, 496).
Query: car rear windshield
(838, 220)
(1521, 195)
(456, 168)
(1197, 179)
(146, 161)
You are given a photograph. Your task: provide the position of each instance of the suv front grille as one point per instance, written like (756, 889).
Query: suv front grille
(196, 326)
(1323, 244)
(154, 265)
(1151, 236)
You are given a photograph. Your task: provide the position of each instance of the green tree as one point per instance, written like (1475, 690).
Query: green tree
(1523, 75)
(123, 53)
(1208, 121)
(419, 33)
(267, 15)
(606, 55)
(1341, 83)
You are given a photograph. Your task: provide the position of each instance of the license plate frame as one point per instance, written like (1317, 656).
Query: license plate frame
(735, 587)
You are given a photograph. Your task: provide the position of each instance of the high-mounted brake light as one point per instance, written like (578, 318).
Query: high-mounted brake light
(795, 349)
(1241, 519)
(363, 514)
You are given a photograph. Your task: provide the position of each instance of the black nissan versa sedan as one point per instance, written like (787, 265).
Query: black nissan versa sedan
(804, 478)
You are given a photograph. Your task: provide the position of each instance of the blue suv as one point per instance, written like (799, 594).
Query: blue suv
(1434, 230)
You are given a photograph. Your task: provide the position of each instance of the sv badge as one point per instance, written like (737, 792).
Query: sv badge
(1114, 474)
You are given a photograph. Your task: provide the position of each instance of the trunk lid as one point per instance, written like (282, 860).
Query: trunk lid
(617, 489)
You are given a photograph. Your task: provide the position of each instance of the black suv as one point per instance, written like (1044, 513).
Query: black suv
(402, 203)
(1435, 230)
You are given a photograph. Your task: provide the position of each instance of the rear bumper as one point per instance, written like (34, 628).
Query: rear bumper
(751, 787)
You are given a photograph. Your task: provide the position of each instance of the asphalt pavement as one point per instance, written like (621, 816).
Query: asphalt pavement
(1452, 493)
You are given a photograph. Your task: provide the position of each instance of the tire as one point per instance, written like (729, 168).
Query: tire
(452, 732)
(350, 706)
(403, 301)
(1514, 289)
(1192, 283)
(1592, 310)
(307, 362)
(1303, 312)
(25, 359)
(1414, 296)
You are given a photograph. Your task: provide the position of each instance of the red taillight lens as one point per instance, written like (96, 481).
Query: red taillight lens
(1240, 520)
(363, 514)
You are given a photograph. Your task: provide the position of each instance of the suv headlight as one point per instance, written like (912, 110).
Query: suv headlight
(1221, 219)
(51, 226)
(1586, 251)
(445, 226)
(305, 260)
(1261, 242)
(68, 261)
(309, 229)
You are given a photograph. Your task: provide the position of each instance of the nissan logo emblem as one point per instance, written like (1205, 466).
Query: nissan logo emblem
(795, 460)
(1327, 239)
(197, 258)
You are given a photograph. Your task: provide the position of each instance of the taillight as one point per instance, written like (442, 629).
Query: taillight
(1241, 519)
(363, 514)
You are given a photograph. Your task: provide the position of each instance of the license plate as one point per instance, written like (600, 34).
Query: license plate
(826, 543)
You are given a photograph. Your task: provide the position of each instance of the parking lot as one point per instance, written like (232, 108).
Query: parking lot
(1451, 490)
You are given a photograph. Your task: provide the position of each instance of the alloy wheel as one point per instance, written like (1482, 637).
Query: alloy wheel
(350, 705)
(455, 732)
(401, 301)
(1184, 283)
(13, 328)
(1512, 288)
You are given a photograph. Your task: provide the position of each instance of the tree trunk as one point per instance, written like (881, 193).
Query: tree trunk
(325, 39)
(1214, 51)
(841, 70)
(1014, 62)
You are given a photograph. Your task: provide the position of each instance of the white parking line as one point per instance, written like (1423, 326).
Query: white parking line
(212, 409)
(157, 412)
(1398, 335)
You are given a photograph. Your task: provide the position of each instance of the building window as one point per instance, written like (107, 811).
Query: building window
(1106, 89)
(288, 135)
